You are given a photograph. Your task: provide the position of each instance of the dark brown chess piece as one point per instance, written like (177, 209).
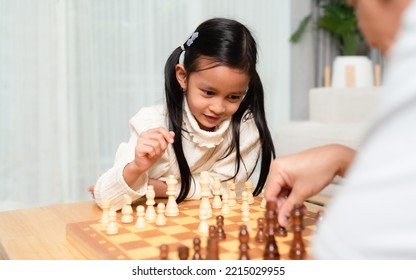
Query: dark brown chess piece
(260, 236)
(271, 250)
(297, 249)
(220, 227)
(197, 249)
(212, 231)
(244, 238)
(183, 252)
(212, 249)
(164, 251)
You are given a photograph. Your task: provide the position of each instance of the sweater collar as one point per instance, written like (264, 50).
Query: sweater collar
(203, 138)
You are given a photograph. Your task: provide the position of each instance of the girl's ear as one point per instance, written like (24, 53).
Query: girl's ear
(181, 75)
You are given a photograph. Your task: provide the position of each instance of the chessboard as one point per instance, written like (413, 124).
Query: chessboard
(144, 244)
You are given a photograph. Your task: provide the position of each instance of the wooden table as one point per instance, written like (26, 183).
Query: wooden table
(40, 233)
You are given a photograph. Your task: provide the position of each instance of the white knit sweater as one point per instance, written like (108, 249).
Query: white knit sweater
(203, 151)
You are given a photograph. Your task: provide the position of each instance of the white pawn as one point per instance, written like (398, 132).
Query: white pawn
(141, 222)
(161, 219)
(150, 214)
(112, 227)
(263, 201)
(127, 210)
(225, 210)
(246, 219)
(232, 197)
(203, 225)
(104, 216)
(249, 189)
(244, 205)
(172, 208)
(216, 186)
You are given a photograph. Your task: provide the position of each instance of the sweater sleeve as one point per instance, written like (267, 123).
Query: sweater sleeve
(111, 185)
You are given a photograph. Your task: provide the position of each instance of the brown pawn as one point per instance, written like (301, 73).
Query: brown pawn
(271, 250)
(280, 231)
(297, 249)
(164, 251)
(212, 249)
(197, 249)
(260, 231)
(213, 231)
(183, 252)
(220, 228)
(244, 238)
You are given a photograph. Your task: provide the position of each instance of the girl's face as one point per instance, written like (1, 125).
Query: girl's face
(213, 94)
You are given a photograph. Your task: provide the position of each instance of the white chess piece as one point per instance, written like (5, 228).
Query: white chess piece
(140, 222)
(172, 208)
(263, 201)
(127, 210)
(216, 186)
(244, 204)
(203, 224)
(246, 219)
(249, 189)
(225, 209)
(104, 216)
(112, 227)
(205, 192)
(161, 219)
(232, 195)
(150, 214)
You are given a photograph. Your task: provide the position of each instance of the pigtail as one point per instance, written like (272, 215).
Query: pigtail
(174, 101)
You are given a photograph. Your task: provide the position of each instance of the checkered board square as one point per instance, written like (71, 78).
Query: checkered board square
(132, 243)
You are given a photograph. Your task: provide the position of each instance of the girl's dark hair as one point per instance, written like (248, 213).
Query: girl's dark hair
(226, 42)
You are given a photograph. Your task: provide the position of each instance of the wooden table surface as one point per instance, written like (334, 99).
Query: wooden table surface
(40, 233)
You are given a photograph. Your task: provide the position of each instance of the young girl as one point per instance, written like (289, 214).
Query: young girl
(213, 120)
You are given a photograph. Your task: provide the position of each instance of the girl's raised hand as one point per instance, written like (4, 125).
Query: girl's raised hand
(150, 146)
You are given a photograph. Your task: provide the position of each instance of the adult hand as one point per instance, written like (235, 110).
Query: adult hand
(294, 178)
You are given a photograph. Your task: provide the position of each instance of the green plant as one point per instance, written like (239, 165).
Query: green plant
(339, 20)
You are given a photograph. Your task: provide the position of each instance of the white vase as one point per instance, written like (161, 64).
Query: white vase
(352, 71)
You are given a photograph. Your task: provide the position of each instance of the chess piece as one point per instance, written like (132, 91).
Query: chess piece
(172, 208)
(271, 251)
(127, 210)
(232, 195)
(260, 236)
(205, 193)
(297, 248)
(212, 249)
(140, 222)
(150, 214)
(112, 227)
(244, 204)
(197, 249)
(183, 252)
(245, 217)
(220, 228)
(249, 190)
(161, 219)
(104, 216)
(212, 231)
(244, 238)
(216, 186)
(225, 209)
(203, 224)
(164, 251)
(263, 201)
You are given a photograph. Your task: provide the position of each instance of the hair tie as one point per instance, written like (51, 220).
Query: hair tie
(188, 43)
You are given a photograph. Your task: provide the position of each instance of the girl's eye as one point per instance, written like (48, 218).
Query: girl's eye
(207, 92)
(234, 97)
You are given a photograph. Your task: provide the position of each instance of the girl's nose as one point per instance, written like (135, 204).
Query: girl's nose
(217, 106)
